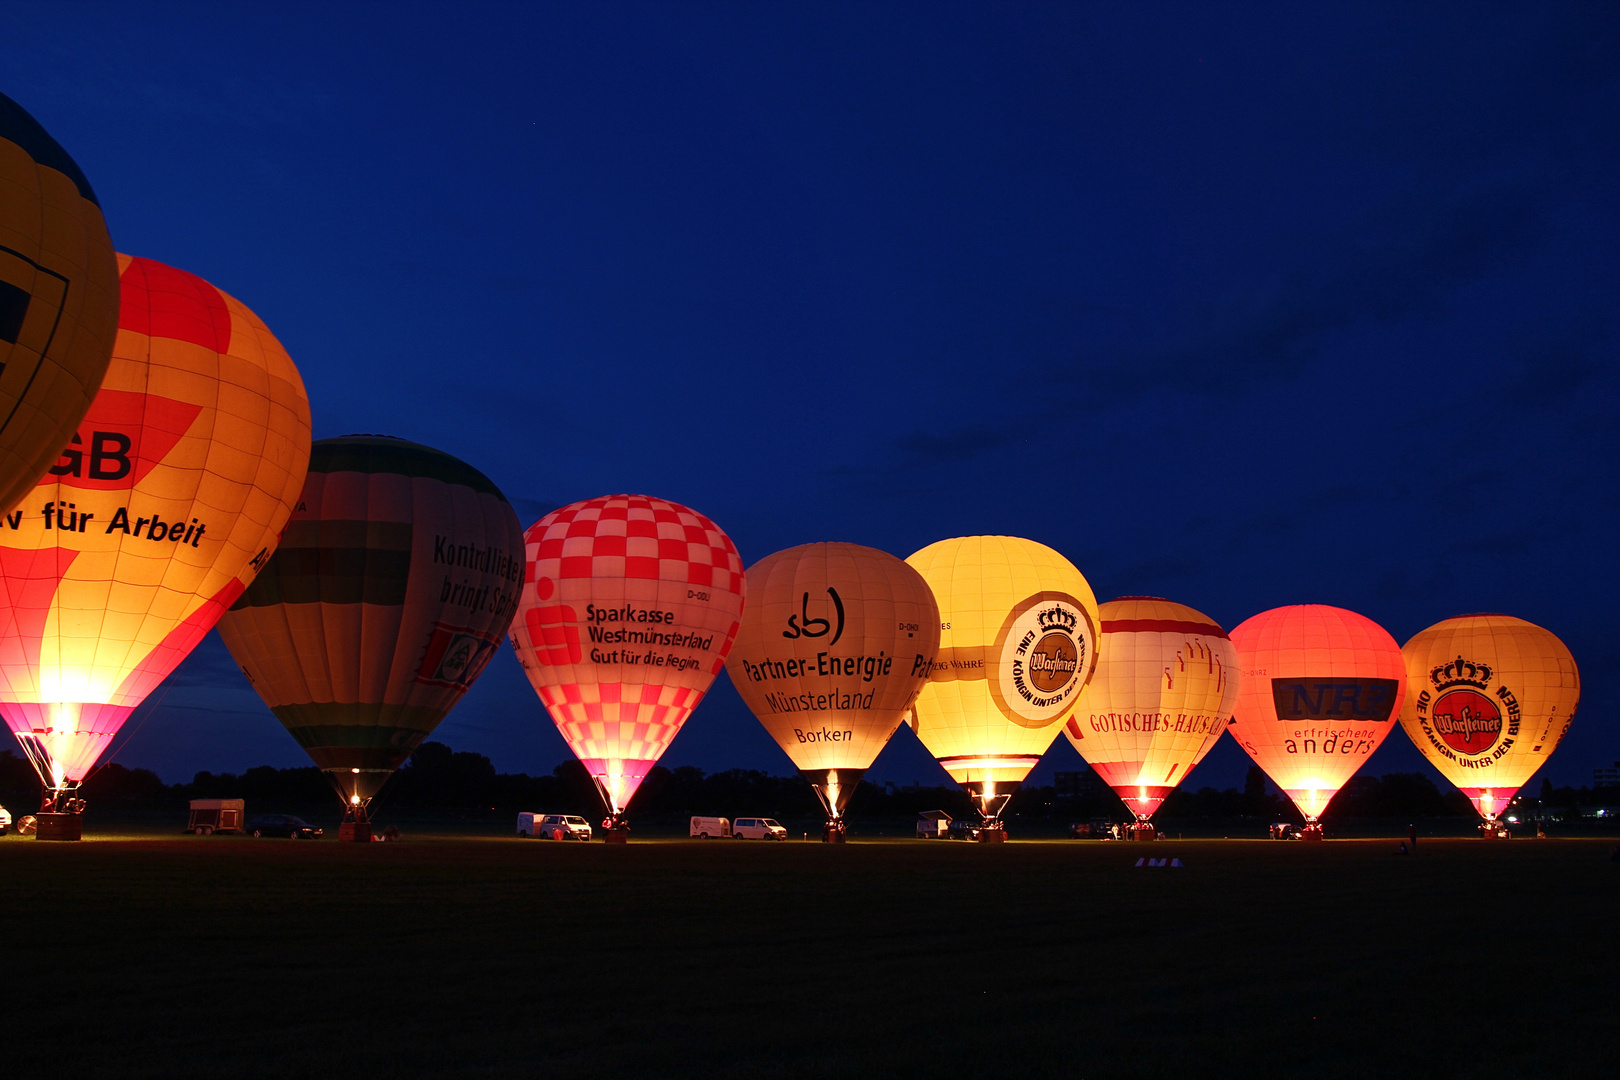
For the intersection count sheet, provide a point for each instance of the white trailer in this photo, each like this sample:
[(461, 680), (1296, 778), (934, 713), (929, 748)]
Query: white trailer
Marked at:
[(216, 815), (706, 828)]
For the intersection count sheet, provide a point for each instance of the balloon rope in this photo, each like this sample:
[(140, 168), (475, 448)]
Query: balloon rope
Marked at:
[(130, 737)]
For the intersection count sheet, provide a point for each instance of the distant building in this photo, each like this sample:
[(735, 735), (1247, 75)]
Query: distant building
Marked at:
[(1606, 777)]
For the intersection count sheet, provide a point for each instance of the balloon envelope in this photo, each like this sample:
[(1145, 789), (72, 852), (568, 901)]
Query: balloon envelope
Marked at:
[(629, 608), (1163, 692), (1320, 688), (835, 643), (58, 300), (165, 503), (1490, 699), (395, 582), (1017, 643)]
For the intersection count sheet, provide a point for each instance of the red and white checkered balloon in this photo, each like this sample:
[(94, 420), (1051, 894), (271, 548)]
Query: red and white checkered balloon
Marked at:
[(630, 605)]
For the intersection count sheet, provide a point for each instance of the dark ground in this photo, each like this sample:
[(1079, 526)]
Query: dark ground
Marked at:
[(148, 955)]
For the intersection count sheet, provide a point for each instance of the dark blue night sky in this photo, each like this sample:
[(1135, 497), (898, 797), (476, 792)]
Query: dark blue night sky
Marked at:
[(1241, 305)]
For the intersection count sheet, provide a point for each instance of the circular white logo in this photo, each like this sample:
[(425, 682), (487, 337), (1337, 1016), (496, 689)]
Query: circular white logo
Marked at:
[(1045, 652)]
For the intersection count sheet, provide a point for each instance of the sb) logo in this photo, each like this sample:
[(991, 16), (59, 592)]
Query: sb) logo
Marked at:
[(1045, 651), (1467, 721)]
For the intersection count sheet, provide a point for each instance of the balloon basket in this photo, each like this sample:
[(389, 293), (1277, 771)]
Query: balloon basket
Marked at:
[(355, 832), (59, 827), (992, 836), (1311, 831), (1142, 831), (617, 834)]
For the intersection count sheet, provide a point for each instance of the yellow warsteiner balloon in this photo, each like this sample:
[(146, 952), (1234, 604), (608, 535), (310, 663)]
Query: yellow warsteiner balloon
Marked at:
[(1166, 683), (1489, 698), (1017, 643), (58, 300), (835, 642), (164, 504)]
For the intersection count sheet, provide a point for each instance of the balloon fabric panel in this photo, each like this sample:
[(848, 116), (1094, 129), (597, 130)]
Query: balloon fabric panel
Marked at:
[(164, 503), (58, 300), (395, 583), (1490, 698), (1341, 679), (630, 606)]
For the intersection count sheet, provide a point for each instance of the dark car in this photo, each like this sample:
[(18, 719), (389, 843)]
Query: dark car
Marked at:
[(294, 828)]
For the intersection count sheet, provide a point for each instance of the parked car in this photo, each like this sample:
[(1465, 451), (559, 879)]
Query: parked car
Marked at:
[(5, 821), (757, 828), (293, 828), (963, 830), (1095, 829), (705, 828), (562, 827)]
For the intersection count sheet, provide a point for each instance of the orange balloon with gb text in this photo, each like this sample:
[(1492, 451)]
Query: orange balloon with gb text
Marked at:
[(167, 500)]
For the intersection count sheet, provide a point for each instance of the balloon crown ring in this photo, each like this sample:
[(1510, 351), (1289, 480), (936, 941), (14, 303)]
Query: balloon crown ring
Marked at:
[(1460, 672)]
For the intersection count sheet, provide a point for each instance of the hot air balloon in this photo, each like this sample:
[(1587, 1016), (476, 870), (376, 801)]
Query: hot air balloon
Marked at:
[(1017, 643), (630, 605), (1321, 687), (835, 643), (1162, 694), (58, 300), (395, 582), (1491, 697), (165, 503)]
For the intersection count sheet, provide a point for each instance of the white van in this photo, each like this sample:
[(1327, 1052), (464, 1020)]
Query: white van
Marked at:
[(706, 827), (554, 826), (757, 828)]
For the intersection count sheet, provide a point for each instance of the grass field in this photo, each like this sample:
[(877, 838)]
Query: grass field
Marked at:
[(144, 956)]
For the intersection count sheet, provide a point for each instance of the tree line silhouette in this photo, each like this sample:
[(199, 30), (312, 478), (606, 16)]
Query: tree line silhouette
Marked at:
[(439, 778)]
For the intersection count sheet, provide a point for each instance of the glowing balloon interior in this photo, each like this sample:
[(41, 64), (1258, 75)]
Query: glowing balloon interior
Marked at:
[(1321, 688), (58, 300), (397, 577), (1017, 643), (836, 641), (1163, 692), (1490, 699), (167, 500), (630, 605)]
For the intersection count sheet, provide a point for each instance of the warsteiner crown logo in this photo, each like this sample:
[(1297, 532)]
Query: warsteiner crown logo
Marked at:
[(1460, 672), (1045, 652), (1056, 618), (1463, 718)]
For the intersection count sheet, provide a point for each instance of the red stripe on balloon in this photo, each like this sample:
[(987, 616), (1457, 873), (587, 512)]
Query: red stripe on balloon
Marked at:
[(1161, 626)]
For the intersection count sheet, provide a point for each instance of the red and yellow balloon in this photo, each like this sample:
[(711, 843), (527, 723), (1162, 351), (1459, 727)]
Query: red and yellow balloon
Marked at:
[(58, 300), (1491, 697), (167, 500), (1321, 688), (1163, 692)]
